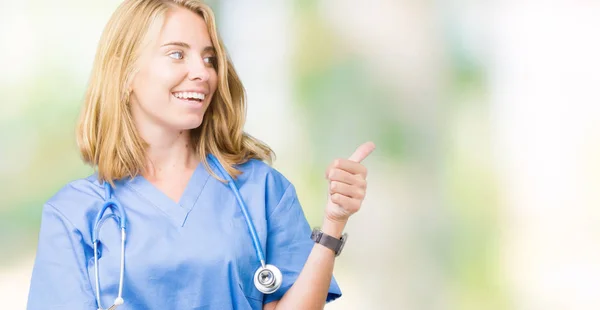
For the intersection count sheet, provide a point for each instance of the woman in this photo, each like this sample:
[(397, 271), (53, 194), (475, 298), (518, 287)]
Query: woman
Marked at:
[(162, 124)]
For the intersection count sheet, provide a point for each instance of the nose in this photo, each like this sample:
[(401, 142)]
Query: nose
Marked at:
[(198, 70)]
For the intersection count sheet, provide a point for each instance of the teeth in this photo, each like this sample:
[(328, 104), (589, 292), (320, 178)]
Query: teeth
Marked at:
[(189, 95)]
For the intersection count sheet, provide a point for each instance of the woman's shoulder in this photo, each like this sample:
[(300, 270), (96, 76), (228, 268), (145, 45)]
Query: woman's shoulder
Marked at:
[(257, 171), (76, 201), (260, 177), (88, 188)]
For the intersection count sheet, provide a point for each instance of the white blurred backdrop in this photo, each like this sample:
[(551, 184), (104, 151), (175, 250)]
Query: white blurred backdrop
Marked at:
[(483, 191)]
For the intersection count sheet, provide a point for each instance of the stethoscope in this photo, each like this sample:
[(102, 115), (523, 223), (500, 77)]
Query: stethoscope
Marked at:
[(267, 278)]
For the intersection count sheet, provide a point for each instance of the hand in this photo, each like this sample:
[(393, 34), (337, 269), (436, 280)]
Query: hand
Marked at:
[(347, 184)]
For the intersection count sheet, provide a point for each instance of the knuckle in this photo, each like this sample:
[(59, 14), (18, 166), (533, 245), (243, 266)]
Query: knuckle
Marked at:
[(334, 185), (363, 184), (361, 194)]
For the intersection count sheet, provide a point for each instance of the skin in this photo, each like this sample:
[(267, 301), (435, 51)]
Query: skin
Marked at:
[(181, 61), (347, 188)]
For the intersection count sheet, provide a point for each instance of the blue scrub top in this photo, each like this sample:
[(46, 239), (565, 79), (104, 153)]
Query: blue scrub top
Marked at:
[(195, 254)]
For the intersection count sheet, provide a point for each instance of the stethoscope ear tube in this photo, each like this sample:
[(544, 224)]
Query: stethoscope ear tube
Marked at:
[(115, 206)]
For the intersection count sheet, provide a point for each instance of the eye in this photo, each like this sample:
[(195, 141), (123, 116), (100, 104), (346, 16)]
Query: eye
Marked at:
[(176, 55), (211, 60)]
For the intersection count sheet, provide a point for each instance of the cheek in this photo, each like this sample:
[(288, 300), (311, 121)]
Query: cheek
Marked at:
[(153, 84), (161, 77), (214, 82)]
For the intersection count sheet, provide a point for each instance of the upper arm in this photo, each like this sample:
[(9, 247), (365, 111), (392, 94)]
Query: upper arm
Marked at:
[(60, 279)]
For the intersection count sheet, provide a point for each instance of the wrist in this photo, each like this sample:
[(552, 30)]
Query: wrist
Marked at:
[(333, 228)]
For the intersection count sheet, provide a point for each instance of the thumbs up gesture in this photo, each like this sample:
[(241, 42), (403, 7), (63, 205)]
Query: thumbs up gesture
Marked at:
[(347, 184)]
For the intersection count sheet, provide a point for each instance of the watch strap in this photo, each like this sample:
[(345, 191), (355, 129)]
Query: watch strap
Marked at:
[(333, 243)]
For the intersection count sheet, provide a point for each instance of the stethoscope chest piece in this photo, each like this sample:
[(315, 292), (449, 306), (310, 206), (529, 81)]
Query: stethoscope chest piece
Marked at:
[(267, 279)]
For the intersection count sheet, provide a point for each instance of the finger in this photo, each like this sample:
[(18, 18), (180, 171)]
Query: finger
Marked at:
[(350, 166), (349, 204), (328, 170), (356, 192), (346, 177), (362, 152)]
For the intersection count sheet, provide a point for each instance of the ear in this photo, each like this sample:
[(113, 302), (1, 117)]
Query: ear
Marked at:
[(127, 94)]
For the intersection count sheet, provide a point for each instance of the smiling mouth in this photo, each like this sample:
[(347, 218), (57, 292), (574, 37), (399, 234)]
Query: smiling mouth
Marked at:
[(189, 96)]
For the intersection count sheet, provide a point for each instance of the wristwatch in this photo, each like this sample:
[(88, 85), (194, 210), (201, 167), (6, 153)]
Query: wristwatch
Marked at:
[(335, 244)]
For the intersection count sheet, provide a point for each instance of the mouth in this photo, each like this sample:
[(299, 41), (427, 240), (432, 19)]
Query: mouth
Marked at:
[(194, 98)]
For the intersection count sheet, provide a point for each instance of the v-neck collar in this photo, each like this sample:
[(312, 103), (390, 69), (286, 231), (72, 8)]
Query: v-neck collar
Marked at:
[(177, 212)]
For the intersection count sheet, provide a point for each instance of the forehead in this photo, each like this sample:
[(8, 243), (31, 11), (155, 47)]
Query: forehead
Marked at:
[(183, 25)]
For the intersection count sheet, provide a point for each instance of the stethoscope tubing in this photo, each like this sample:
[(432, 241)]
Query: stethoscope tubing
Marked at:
[(113, 204), (250, 224)]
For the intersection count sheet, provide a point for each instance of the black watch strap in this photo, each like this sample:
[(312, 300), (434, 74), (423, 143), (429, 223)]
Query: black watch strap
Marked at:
[(335, 244)]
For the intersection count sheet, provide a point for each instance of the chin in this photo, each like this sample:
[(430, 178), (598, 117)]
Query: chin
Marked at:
[(190, 123)]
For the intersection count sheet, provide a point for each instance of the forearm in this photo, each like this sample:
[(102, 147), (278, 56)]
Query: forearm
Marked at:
[(311, 288)]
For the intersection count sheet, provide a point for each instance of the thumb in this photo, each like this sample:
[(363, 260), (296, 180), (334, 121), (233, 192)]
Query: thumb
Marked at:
[(362, 152)]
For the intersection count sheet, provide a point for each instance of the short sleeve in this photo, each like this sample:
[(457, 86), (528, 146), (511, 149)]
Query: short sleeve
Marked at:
[(289, 244), (60, 279)]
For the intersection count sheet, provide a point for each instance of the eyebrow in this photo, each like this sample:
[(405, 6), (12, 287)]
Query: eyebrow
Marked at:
[(185, 45)]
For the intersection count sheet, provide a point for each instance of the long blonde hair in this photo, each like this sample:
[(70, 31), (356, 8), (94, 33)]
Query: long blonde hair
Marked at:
[(106, 135)]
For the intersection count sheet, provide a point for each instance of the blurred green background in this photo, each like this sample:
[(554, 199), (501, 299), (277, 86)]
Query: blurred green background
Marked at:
[(483, 187)]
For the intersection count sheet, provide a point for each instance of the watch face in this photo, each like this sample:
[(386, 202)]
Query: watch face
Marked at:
[(314, 234)]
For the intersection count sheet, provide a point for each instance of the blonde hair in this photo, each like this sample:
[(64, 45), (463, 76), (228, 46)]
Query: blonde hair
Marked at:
[(106, 135)]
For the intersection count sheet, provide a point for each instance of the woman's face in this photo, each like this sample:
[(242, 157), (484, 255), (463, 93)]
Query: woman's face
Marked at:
[(177, 77)]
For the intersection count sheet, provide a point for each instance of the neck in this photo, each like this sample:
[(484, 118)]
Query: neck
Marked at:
[(168, 153)]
